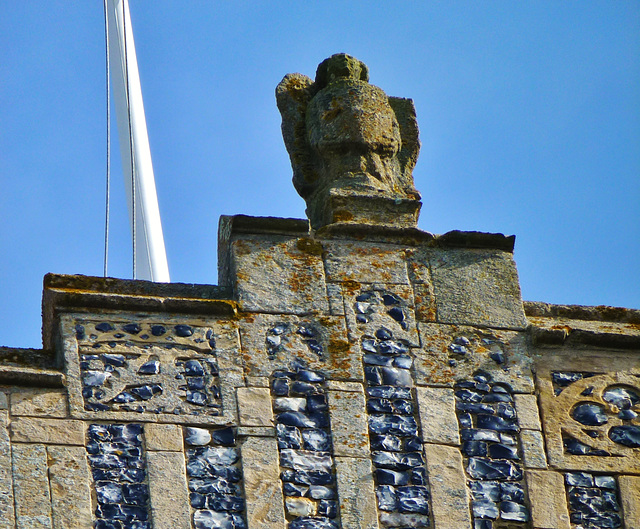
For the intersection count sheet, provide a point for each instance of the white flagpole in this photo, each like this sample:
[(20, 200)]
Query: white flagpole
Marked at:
[(150, 256)]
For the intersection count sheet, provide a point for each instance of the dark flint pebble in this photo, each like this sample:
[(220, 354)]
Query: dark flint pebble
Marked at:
[(158, 330), (413, 444), (312, 477), (387, 500), (413, 498), (465, 420), (485, 490), (468, 395), (474, 434), (474, 448), (491, 422), (304, 522), (389, 392), (152, 367), (390, 299), (316, 403), (475, 408), (497, 357), (391, 477), (328, 508), (564, 379), (280, 387), (104, 327), (384, 334), (193, 368), (516, 512), (484, 509), (396, 313), (578, 479), (146, 392), (304, 388), (626, 435), (306, 375), (183, 331), (512, 492), (391, 443), (497, 397), (418, 476), (500, 451), (589, 414), (131, 328), (377, 359), (487, 469)]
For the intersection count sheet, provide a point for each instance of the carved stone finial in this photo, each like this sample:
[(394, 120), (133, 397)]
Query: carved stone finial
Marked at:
[(352, 147)]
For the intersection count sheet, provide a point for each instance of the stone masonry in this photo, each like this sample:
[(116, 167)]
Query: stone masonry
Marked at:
[(349, 372)]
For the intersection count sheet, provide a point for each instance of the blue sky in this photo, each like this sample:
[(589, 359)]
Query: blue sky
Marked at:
[(529, 117)]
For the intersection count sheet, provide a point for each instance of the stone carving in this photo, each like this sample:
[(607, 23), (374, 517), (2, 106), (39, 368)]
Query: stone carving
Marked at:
[(592, 419), (352, 147)]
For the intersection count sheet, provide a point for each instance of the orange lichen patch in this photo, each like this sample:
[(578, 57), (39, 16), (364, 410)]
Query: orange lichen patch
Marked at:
[(351, 286), (309, 246)]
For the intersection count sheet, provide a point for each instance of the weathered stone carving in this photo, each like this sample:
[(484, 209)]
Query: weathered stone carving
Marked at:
[(352, 147)]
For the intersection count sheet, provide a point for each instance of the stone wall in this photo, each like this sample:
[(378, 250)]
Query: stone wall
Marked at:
[(352, 377)]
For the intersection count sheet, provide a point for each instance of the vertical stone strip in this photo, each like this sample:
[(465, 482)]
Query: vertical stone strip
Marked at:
[(593, 500), (215, 478), (548, 500), (7, 512), (356, 491), (630, 500), (305, 447), (168, 493), (437, 411), (70, 485), (347, 411), (119, 476), (354, 476), (31, 487), (490, 438), (262, 486), (400, 474), (449, 496)]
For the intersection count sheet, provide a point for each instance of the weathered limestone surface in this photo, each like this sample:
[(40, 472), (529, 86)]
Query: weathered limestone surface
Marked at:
[(7, 511), (533, 449), (254, 406), (48, 431), (38, 403), (167, 437), (630, 500), (349, 429), (438, 418), (168, 492), (70, 483), (263, 491), (449, 496), (31, 487), (547, 496), (477, 287), (528, 414), (356, 492)]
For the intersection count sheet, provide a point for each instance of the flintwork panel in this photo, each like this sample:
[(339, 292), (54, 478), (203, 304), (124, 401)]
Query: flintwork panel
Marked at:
[(148, 369), (592, 420)]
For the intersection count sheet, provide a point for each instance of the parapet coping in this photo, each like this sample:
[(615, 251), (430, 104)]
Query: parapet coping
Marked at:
[(602, 313), (63, 293), (245, 224)]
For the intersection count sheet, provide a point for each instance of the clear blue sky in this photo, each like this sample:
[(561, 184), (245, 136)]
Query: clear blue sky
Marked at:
[(529, 117)]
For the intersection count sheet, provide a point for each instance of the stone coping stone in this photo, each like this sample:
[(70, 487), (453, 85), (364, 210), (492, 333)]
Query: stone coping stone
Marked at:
[(64, 293), (28, 376), (21, 357), (602, 313)]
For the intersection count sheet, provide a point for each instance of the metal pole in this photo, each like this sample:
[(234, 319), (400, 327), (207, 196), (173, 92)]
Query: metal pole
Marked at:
[(150, 259)]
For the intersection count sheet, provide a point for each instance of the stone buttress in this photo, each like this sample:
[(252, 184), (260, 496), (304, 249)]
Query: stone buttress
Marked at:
[(349, 372)]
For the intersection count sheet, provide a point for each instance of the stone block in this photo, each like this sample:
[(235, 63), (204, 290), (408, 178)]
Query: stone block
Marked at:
[(442, 360), (630, 500), (4, 402), (262, 486), (70, 483), (533, 449), (365, 262), (477, 287), (338, 385), (39, 403), (163, 437), (254, 407), (438, 420), (336, 301), (168, 491), (47, 431), (279, 275), (349, 428), (447, 483), (257, 431), (271, 342), (258, 382), (31, 487), (356, 492), (548, 499), (528, 413), (7, 511)]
